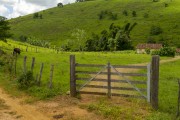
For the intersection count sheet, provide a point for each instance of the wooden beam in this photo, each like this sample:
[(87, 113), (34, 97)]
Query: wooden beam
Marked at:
[(130, 66), (88, 65), (112, 73)]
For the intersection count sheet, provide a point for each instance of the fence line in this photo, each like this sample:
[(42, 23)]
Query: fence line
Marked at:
[(37, 76)]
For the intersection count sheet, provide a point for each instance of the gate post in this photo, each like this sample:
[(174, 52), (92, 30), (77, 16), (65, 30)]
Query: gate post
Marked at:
[(109, 80), (73, 92), (149, 82), (154, 81)]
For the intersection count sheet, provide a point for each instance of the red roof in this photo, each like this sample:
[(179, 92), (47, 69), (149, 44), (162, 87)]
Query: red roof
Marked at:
[(149, 46)]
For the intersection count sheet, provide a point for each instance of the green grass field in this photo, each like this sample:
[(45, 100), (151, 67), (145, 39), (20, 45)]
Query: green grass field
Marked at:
[(168, 86), (61, 60), (58, 24)]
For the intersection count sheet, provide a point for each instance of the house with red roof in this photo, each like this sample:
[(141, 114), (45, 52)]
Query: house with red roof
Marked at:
[(141, 48)]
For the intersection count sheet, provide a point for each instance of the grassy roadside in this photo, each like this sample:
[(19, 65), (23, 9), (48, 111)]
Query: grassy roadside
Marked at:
[(108, 109)]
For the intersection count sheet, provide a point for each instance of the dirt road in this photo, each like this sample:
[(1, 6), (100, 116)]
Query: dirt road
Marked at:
[(17, 110), (62, 107)]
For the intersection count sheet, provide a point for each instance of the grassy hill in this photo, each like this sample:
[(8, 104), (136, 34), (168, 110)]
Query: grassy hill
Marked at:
[(57, 24)]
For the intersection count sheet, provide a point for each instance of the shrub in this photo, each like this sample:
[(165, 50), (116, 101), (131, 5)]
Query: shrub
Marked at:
[(125, 13), (166, 5), (7, 61), (134, 13), (155, 52), (23, 38), (148, 51), (36, 42), (106, 13), (1, 63), (165, 51), (146, 15), (150, 40), (113, 16), (155, 0), (26, 80), (35, 15), (1, 52), (155, 30), (102, 14)]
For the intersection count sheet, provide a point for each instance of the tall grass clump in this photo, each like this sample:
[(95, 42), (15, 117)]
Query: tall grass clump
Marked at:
[(26, 80)]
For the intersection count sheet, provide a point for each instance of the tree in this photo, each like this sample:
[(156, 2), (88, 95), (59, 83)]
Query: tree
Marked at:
[(40, 16), (60, 5), (80, 38), (150, 39), (155, 30), (2, 18), (4, 30), (91, 44), (80, 0), (103, 41), (36, 15), (125, 13), (116, 38), (122, 37), (134, 13)]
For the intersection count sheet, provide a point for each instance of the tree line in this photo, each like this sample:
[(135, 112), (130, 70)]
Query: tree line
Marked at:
[(4, 29), (114, 39)]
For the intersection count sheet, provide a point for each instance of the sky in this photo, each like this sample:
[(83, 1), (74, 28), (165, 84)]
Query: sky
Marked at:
[(16, 8)]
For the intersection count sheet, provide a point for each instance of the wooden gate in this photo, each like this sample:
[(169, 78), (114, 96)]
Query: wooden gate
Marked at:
[(116, 80)]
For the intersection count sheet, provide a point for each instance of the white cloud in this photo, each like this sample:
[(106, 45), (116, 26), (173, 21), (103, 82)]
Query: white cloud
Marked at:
[(15, 8), (9, 2), (23, 8), (3, 10), (44, 3)]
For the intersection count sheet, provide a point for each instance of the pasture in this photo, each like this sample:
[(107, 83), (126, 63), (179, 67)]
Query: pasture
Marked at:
[(168, 86)]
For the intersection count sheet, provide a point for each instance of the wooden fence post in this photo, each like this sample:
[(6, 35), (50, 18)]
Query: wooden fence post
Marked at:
[(154, 81), (25, 59), (26, 48), (177, 115), (40, 74), (149, 83), (73, 92), (109, 80), (37, 79), (15, 64), (51, 76), (11, 67), (32, 65)]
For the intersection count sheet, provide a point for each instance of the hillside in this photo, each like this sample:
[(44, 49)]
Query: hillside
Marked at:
[(57, 24)]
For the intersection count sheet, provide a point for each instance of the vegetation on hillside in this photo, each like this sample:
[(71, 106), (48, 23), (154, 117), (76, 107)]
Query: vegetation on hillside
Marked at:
[(158, 21), (4, 29)]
